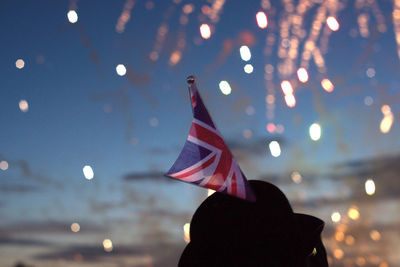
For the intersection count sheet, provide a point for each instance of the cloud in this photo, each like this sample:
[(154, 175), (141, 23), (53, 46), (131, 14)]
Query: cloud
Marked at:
[(18, 188), (146, 176), (8, 241)]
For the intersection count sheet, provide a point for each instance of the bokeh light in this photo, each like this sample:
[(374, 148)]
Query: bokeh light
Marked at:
[(315, 131), (245, 53), (327, 85), (332, 23), (370, 187), (353, 213), (186, 232), (262, 20), (72, 16), (3, 165), (20, 63), (375, 235), (302, 75), (205, 31), (336, 217), (88, 172), (248, 68), (107, 245), (275, 149), (75, 227), (296, 177), (225, 88), (120, 69), (23, 105)]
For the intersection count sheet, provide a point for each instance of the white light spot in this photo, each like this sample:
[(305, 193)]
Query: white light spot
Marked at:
[(75, 227), (296, 177), (370, 187), (121, 69), (205, 31), (225, 87), (332, 23), (248, 68), (275, 149), (20, 63), (262, 20), (23, 105), (88, 172), (336, 217), (107, 244), (72, 16), (3, 165), (370, 72), (315, 131), (245, 53)]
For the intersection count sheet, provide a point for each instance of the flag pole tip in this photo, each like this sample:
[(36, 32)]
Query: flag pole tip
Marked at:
[(190, 79)]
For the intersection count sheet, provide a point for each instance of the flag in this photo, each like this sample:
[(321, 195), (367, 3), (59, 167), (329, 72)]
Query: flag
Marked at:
[(205, 159)]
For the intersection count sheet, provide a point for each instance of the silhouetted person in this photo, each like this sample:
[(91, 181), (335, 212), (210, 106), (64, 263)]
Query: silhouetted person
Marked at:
[(228, 231)]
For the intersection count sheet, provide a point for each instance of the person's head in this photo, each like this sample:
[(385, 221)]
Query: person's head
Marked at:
[(228, 231)]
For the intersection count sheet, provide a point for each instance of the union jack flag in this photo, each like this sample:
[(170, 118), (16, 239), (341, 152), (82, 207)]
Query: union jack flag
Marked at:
[(205, 159)]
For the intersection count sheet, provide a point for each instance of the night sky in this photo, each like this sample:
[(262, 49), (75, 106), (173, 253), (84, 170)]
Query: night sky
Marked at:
[(130, 129)]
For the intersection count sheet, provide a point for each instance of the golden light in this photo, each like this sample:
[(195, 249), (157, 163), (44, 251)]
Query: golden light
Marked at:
[(225, 87), (375, 235), (338, 253), (262, 20), (248, 68), (75, 227), (3, 165), (302, 75), (386, 110), (205, 31), (370, 187), (23, 105), (387, 121), (121, 69), (327, 85), (336, 217), (384, 264), (315, 131), (339, 236), (88, 172), (349, 240), (360, 261), (353, 213), (186, 232), (332, 23), (296, 177), (245, 53), (20, 63), (175, 57), (275, 149), (287, 87), (72, 16), (290, 101), (107, 244)]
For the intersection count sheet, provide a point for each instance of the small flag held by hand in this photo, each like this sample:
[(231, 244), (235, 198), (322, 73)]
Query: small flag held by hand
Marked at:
[(205, 159)]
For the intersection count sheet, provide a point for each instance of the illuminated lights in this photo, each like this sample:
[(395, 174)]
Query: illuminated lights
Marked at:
[(248, 68), (353, 213), (125, 16), (225, 87), (383, 264), (247, 133), (75, 227), (245, 53), (275, 149), (205, 31), (290, 101), (370, 72), (315, 131), (107, 244), (336, 217), (302, 75), (186, 232), (349, 240), (332, 23), (370, 187), (387, 121), (175, 57), (72, 16), (188, 8), (262, 20), (360, 261), (88, 172), (288, 92), (339, 236), (23, 105), (120, 69), (287, 87), (296, 177), (271, 127), (375, 235), (338, 253), (327, 85), (19, 63), (3, 165)]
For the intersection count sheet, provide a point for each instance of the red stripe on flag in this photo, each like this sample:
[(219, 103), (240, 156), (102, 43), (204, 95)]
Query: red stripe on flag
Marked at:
[(201, 167)]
